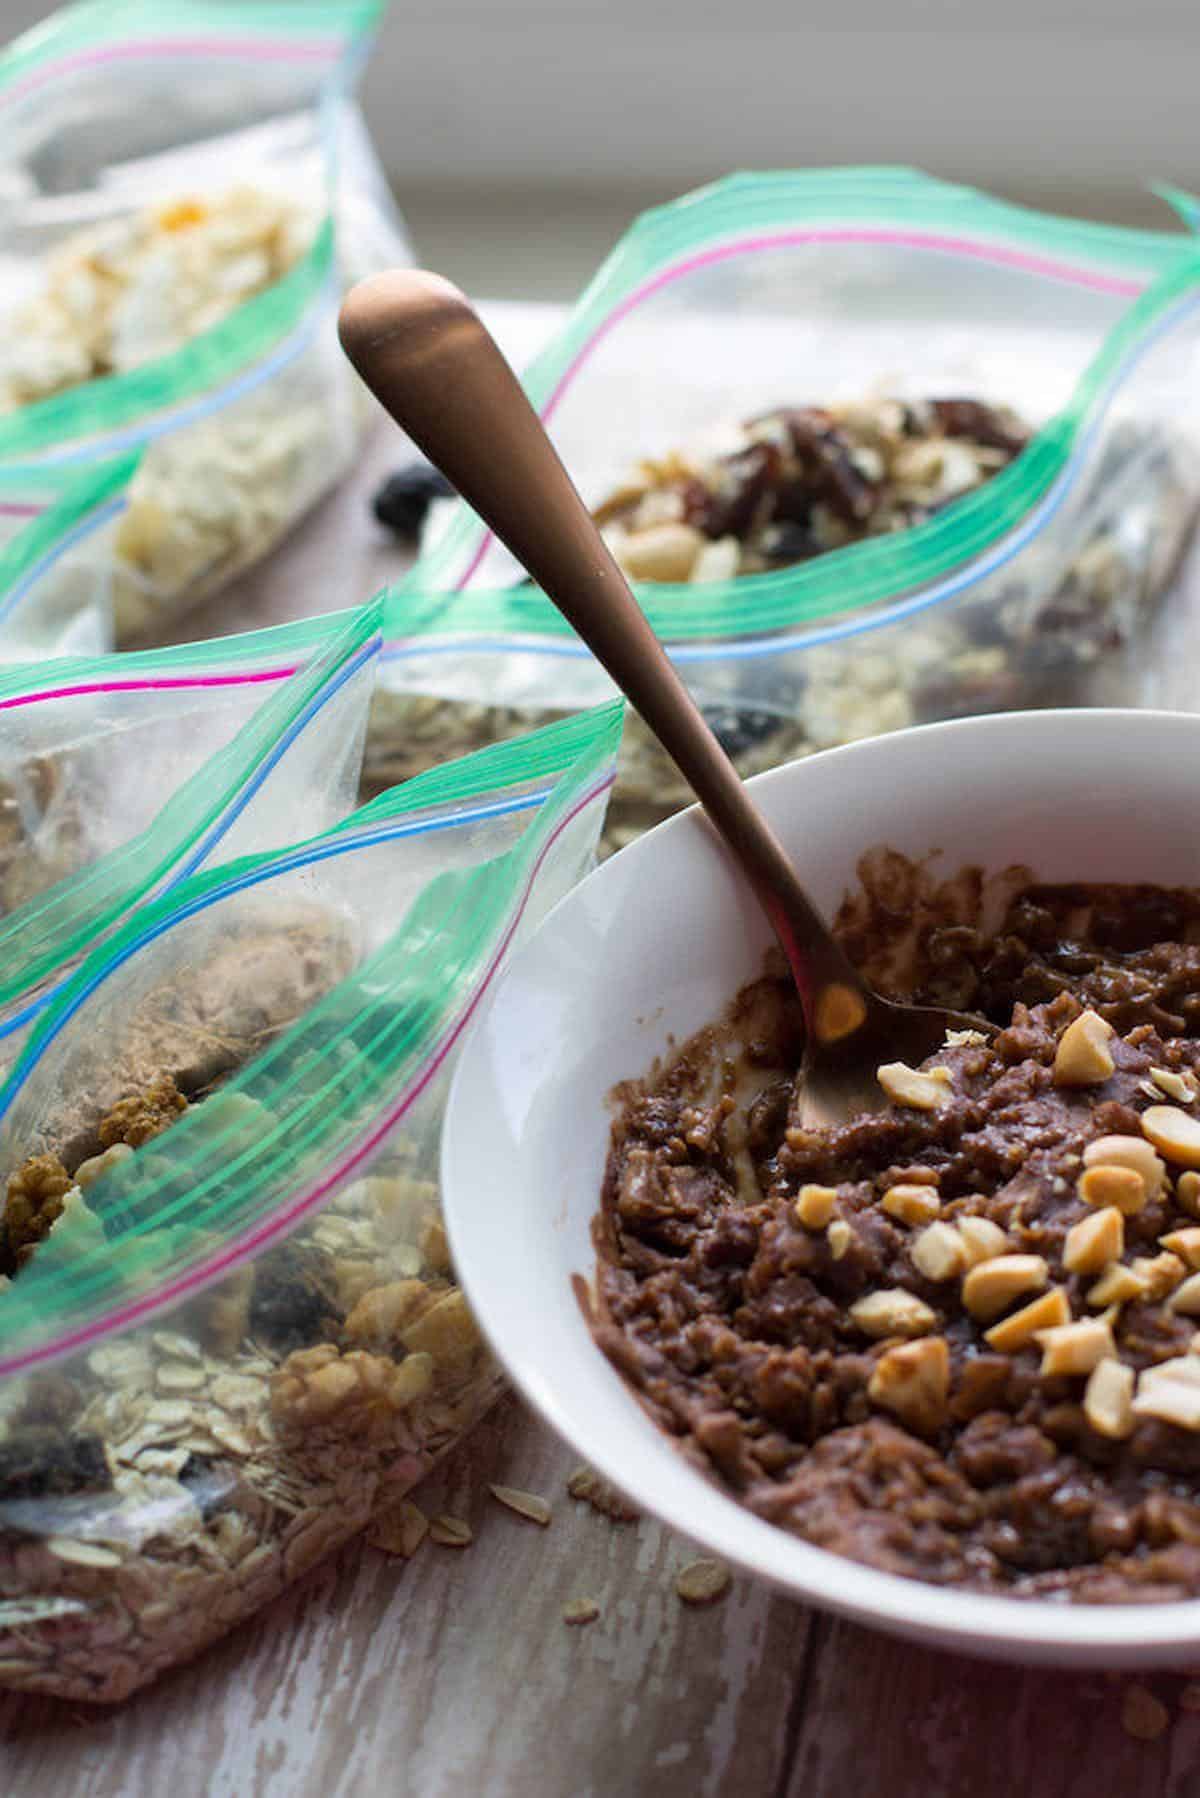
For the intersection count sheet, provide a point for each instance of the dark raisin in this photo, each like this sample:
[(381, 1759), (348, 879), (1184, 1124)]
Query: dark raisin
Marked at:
[(39, 1461), (981, 423), (737, 729), (743, 490), (209, 1482), (294, 1302), (403, 501), (787, 543)]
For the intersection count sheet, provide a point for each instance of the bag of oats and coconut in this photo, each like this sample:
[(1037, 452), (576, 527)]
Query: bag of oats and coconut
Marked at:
[(185, 189), (57, 527), (121, 776), (874, 450), (230, 1331)]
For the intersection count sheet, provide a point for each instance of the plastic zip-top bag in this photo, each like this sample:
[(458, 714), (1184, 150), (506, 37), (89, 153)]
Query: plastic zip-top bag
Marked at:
[(184, 191), (57, 529), (232, 1334), (117, 788), (891, 449)]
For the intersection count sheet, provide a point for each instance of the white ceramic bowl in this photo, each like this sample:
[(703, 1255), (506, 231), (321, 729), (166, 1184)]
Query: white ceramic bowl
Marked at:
[(652, 946)]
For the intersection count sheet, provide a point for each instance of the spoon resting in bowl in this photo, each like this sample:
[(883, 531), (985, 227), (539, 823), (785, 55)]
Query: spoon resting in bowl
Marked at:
[(430, 361)]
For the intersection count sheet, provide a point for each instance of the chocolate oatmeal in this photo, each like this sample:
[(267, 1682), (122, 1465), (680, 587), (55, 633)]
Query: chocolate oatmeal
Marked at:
[(957, 1338)]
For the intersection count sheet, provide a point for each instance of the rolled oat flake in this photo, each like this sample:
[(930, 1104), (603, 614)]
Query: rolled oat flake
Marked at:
[(702, 1582)]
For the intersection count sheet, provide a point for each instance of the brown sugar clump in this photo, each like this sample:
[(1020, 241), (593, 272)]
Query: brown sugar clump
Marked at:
[(141, 1116), (34, 1204)]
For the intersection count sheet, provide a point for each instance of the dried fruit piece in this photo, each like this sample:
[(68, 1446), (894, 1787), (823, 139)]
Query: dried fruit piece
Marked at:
[(702, 1581), (525, 1504), (295, 1301)]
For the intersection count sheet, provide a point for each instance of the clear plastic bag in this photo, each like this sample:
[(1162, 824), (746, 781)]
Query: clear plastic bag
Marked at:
[(241, 1336), (56, 554), (117, 782), (838, 288), (184, 191)]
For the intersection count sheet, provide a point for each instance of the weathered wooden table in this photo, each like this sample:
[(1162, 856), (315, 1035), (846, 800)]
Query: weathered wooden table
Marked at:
[(454, 1673)]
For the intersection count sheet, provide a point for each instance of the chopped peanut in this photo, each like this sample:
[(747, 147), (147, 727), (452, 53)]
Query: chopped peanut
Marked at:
[(1108, 1400), (1083, 1057), (1180, 1087), (892, 1312), (1114, 1286), (923, 1090), (938, 1252), (1174, 1133), (912, 1381), (1119, 1186), (982, 1240), (994, 1284), (1017, 1331), (1184, 1243), (1076, 1347), (1159, 1274), (814, 1206), (1095, 1241), (912, 1204), (1186, 1298), (1128, 1151), (1171, 1391), (1187, 1194)]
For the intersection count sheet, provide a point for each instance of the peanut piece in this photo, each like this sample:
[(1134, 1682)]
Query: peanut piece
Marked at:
[(1174, 1133), (1082, 1057), (839, 1236), (1119, 1186), (814, 1206), (994, 1284), (1108, 1400), (1184, 1243), (1017, 1331), (1171, 1391), (938, 1252), (1187, 1194), (1159, 1274), (662, 552), (1180, 1087), (1077, 1347), (1117, 1284), (1128, 1151), (922, 1090), (982, 1240), (911, 1204), (1095, 1241), (892, 1312), (1186, 1298), (913, 1381)]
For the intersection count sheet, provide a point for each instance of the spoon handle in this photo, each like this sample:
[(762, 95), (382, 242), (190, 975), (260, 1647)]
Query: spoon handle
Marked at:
[(432, 364)]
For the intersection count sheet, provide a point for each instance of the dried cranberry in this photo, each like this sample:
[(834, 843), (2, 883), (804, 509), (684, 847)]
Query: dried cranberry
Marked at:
[(785, 543)]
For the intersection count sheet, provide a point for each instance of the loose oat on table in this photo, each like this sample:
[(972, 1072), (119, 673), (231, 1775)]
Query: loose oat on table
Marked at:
[(451, 1532), (580, 1610), (1143, 1716), (525, 1504), (702, 1582)]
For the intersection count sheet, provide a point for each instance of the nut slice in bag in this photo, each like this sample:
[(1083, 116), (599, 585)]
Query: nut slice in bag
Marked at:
[(710, 324), (232, 1330), (121, 781)]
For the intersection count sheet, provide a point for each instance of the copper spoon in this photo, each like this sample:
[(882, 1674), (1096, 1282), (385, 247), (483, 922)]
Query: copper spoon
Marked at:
[(432, 364)]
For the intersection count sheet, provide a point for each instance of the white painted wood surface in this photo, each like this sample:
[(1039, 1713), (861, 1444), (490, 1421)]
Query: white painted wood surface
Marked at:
[(455, 1673)]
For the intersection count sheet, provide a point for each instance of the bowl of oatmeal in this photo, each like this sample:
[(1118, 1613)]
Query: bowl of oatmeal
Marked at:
[(937, 1370)]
